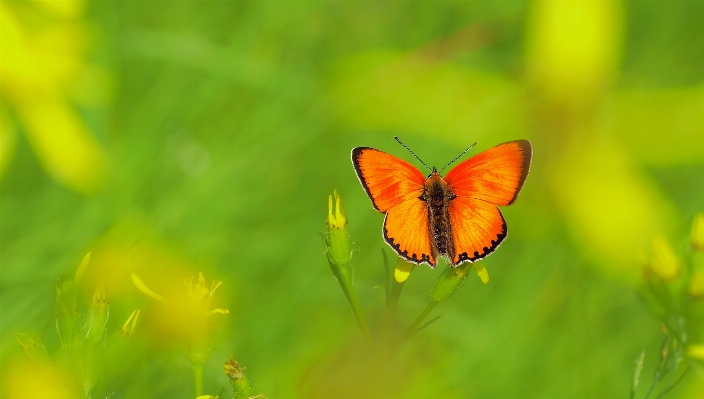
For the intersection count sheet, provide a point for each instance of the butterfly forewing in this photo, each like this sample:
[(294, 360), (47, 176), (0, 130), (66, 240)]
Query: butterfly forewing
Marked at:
[(387, 180), (495, 175)]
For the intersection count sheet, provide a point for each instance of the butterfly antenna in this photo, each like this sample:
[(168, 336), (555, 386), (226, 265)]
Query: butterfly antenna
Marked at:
[(458, 157), (414, 154)]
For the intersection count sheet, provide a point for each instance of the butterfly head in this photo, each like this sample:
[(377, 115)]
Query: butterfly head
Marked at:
[(433, 172)]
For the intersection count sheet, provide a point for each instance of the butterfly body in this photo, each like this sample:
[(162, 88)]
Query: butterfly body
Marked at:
[(454, 217), (437, 196)]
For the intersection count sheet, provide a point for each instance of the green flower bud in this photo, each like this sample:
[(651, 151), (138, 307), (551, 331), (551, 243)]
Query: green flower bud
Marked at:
[(67, 315), (32, 346), (339, 252), (97, 317), (239, 381), (338, 241), (450, 281)]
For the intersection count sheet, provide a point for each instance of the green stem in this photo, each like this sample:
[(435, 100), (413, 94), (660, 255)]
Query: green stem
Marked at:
[(668, 389), (344, 277), (198, 377), (393, 294), (392, 299), (421, 317), (351, 295)]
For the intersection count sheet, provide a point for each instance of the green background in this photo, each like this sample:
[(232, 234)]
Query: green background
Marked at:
[(230, 123)]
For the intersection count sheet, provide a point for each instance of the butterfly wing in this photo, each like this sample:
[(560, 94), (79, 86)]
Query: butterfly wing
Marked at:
[(478, 228), (394, 186), (387, 180), (493, 177), (406, 231)]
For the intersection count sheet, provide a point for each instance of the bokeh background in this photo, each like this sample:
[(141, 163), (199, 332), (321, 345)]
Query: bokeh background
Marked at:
[(176, 137)]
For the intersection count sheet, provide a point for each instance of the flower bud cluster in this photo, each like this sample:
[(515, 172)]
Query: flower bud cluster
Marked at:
[(673, 288)]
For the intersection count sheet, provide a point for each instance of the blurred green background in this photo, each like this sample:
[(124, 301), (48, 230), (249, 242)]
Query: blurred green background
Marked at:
[(177, 137)]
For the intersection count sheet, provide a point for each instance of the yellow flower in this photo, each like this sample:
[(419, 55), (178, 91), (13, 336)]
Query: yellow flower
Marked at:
[(42, 73), (403, 270), (127, 329), (200, 294), (696, 284), (481, 272), (337, 218), (185, 317), (698, 232), (665, 263)]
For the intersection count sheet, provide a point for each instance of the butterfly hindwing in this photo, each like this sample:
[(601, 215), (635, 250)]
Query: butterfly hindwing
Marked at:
[(387, 180), (478, 228), (495, 175), (406, 231)]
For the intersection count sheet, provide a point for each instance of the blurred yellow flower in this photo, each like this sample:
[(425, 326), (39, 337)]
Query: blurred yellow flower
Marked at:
[(185, 316), (200, 295), (42, 72), (697, 236), (37, 379), (696, 351), (574, 46), (696, 284), (665, 263), (127, 329)]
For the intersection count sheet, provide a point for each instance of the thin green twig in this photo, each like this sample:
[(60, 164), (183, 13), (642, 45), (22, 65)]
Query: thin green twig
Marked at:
[(344, 277), (429, 308), (426, 324), (668, 389)]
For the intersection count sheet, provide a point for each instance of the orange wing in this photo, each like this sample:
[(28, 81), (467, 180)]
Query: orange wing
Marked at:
[(406, 231), (387, 180), (495, 175), (478, 228), (394, 186)]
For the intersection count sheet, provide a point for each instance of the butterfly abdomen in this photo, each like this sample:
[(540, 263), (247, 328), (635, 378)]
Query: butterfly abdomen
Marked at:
[(437, 196)]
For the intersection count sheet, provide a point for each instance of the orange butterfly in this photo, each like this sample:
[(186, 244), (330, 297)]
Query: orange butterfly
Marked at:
[(457, 216)]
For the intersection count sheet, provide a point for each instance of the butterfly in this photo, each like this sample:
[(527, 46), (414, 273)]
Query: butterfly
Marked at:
[(457, 216)]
